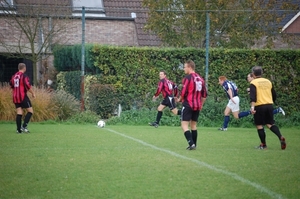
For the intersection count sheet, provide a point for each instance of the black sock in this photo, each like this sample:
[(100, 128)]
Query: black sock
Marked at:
[(262, 136), (18, 122), (188, 137), (194, 136), (27, 118), (276, 130), (179, 112), (158, 116)]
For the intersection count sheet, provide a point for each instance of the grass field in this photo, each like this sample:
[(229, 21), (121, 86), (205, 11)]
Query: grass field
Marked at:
[(83, 161)]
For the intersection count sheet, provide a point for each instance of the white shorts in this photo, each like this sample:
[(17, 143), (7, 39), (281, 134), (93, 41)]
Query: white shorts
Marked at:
[(234, 107)]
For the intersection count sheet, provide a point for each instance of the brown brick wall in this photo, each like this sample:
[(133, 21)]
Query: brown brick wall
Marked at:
[(112, 32)]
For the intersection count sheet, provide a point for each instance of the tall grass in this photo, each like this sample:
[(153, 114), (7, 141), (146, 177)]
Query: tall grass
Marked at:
[(57, 105), (7, 107)]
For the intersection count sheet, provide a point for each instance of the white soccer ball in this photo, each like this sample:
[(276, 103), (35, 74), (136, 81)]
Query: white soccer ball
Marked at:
[(101, 124)]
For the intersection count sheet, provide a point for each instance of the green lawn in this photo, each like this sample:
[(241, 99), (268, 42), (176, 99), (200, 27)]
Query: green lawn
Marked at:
[(83, 161)]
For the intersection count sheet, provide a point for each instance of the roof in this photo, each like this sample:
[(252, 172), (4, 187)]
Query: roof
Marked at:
[(125, 8), (290, 17)]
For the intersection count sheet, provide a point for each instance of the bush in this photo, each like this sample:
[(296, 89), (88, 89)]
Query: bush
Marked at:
[(103, 99), (66, 104), (84, 117)]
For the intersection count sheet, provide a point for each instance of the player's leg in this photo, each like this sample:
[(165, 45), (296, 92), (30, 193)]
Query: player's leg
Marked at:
[(185, 121), (274, 128), (278, 110), (27, 104), (193, 123), (259, 122), (227, 112), (19, 111), (159, 114), (172, 106)]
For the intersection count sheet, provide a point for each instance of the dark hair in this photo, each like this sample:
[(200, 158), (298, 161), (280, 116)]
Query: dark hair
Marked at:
[(162, 71), (191, 64), (257, 71)]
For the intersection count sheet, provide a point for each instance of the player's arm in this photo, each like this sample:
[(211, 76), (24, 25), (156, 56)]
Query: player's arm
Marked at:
[(28, 86), (158, 90), (203, 94), (230, 95), (184, 89), (274, 96), (252, 97)]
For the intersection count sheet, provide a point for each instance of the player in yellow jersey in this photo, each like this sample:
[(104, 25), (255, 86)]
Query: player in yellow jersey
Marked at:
[(262, 97)]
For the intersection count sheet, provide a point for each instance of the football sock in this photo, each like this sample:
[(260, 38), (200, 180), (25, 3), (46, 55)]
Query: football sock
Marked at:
[(226, 121), (244, 114), (18, 122), (188, 137), (275, 111), (158, 116), (262, 136), (276, 131), (194, 136), (179, 112), (27, 118)]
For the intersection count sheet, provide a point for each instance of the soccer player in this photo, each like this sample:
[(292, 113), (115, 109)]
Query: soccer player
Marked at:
[(169, 90), (262, 97), (20, 85), (276, 110), (193, 96), (233, 104)]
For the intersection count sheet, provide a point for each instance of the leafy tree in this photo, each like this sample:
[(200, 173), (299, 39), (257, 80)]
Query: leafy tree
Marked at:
[(32, 28), (233, 23)]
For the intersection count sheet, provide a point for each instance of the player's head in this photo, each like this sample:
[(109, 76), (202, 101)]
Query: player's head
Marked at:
[(189, 67), (22, 67), (257, 71), (222, 79), (162, 74), (250, 77)]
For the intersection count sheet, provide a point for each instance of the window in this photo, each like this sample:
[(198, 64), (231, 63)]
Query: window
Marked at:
[(7, 6), (93, 8)]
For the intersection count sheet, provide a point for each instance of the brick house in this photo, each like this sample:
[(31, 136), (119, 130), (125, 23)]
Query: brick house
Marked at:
[(106, 22), (113, 22)]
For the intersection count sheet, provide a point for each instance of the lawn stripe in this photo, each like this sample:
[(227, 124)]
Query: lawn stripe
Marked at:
[(204, 164)]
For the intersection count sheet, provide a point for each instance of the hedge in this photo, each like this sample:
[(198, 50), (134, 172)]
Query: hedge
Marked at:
[(134, 71)]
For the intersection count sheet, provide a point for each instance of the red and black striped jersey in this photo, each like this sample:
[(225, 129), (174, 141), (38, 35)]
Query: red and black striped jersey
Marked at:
[(20, 85), (193, 90), (167, 88)]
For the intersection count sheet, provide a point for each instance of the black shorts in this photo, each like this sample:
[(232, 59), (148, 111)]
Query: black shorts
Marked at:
[(169, 102), (264, 115), (24, 104), (188, 114)]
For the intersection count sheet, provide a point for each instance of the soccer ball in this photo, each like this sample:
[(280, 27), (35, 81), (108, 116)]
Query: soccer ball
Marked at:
[(101, 124)]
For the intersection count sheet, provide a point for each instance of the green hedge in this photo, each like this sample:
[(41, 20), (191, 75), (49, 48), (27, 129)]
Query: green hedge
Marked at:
[(134, 71)]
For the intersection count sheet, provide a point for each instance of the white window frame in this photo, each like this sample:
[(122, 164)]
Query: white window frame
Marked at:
[(93, 8)]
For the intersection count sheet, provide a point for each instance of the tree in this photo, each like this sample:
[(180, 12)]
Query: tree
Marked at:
[(233, 23), (32, 28)]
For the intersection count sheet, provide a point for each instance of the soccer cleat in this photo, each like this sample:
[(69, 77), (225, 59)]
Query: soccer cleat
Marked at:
[(222, 129), (262, 147), (283, 143), (192, 147), (280, 110), (24, 129), (19, 132), (153, 124)]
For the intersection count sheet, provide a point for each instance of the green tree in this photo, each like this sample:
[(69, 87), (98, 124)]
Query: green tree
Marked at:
[(233, 23)]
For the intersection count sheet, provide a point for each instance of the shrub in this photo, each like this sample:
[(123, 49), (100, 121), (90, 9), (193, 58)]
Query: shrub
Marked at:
[(43, 106), (103, 99), (84, 117), (66, 104)]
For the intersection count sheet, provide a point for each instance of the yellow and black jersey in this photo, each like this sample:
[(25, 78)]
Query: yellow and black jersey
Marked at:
[(262, 91)]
